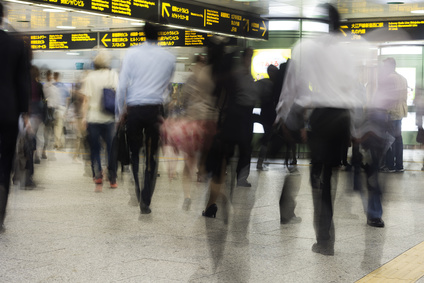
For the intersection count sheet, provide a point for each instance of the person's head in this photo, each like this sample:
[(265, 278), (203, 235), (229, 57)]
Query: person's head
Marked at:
[(49, 75), (272, 71), (389, 64), (56, 76), (102, 60), (330, 12), (151, 31), (35, 73), (247, 57)]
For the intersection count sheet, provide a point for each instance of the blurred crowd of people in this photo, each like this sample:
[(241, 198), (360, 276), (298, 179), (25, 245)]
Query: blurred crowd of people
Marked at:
[(329, 96)]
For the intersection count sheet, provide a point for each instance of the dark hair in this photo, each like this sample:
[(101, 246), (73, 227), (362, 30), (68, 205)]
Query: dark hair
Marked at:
[(390, 62), (333, 16), (1, 13), (151, 31)]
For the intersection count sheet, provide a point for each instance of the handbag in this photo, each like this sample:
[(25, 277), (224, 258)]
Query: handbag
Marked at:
[(108, 100), (420, 135)]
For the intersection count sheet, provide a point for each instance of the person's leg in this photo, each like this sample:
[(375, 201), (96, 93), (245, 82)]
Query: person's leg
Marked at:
[(375, 209), (390, 154), (135, 141), (107, 135), (58, 128), (94, 141), (398, 145), (8, 136), (150, 173)]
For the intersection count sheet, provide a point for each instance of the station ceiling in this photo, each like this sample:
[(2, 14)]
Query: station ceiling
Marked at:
[(27, 17)]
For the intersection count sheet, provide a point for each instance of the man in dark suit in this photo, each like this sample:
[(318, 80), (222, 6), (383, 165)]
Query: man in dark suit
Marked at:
[(14, 97)]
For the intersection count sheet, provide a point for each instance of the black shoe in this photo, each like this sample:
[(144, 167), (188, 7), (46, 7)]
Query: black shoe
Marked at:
[(37, 160), (244, 183), (29, 184), (210, 211), (262, 167), (375, 222), (324, 249), (293, 220), (144, 209)]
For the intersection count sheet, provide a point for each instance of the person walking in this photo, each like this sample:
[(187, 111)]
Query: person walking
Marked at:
[(145, 77), (15, 88)]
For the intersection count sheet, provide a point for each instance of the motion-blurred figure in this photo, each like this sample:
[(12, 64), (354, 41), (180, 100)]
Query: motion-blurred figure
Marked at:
[(320, 80), (14, 95), (240, 116), (267, 96), (100, 124), (395, 87), (52, 95), (60, 111), (419, 109), (144, 80)]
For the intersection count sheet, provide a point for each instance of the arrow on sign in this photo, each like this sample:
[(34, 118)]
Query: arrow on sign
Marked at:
[(164, 9), (247, 24), (104, 40), (263, 28)]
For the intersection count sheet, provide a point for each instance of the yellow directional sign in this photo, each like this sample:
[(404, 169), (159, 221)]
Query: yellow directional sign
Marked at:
[(247, 24), (263, 28), (165, 9), (104, 39)]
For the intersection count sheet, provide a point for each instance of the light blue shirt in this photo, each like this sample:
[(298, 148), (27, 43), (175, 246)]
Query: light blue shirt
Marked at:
[(145, 76)]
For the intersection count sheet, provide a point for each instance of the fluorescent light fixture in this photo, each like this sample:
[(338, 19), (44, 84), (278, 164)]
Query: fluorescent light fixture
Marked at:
[(90, 13), (66, 27), (138, 24), (50, 10), (315, 26), (20, 2), (403, 50), (245, 0), (417, 12), (73, 53), (127, 19), (284, 25), (182, 58)]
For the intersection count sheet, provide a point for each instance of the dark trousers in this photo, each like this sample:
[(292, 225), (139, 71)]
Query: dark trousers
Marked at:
[(8, 136), (143, 125), (330, 128), (105, 132), (394, 156)]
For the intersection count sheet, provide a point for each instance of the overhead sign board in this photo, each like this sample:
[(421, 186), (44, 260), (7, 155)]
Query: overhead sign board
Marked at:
[(62, 41), (214, 20), (168, 38), (385, 30), (185, 15), (141, 9), (118, 39)]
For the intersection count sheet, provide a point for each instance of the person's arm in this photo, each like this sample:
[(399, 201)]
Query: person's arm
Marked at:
[(23, 82), (121, 92)]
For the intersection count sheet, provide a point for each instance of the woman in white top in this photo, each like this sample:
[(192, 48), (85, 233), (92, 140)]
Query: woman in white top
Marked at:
[(100, 123)]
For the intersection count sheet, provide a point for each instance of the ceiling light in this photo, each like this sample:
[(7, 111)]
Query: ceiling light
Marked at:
[(50, 10), (138, 24), (245, 0), (66, 27), (182, 58), (417, 12), (21, 2), (73, 53)]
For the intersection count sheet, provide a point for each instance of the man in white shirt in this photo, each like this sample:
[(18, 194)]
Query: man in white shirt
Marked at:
[(145, 78), (321, 81)]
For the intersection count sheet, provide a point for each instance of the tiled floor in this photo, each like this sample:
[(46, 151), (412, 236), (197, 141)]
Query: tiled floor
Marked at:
[(64, 232)]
